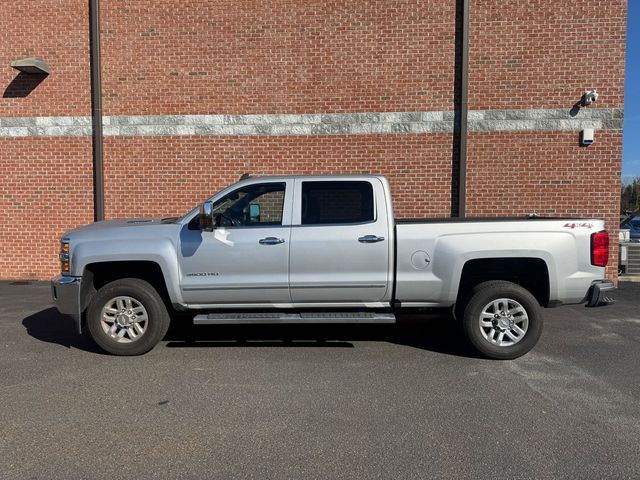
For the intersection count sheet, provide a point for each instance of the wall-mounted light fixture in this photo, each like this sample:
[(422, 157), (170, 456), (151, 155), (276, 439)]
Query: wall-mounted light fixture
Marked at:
[(33, 65)]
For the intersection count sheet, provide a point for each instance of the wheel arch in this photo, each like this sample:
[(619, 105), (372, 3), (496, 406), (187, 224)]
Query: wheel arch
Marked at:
[(531, 273), (98, 274)]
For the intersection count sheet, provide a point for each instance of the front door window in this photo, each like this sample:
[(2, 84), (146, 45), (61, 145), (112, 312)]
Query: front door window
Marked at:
[(252, 205)]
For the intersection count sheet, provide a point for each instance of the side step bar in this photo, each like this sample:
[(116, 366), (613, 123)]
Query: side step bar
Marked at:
[(304, 317)]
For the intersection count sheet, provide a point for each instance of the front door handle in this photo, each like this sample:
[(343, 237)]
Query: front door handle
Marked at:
[(271, 241), (371, 239)]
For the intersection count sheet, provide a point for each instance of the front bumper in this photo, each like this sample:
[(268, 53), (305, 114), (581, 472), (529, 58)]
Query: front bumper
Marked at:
[(600, 293), (66, 296)]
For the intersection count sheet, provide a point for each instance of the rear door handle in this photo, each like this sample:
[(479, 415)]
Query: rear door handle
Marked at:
[(271, 241), (371, 239)]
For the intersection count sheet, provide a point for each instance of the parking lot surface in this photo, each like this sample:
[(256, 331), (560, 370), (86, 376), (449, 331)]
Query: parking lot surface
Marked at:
[(341, 402)]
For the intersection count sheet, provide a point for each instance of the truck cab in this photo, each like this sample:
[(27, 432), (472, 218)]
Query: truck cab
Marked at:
[(290, 242)]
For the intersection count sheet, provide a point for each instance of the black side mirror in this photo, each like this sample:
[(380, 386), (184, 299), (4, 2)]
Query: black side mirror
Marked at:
[(206, 217)]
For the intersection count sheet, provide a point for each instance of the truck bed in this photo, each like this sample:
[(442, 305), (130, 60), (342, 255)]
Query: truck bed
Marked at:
[(431, 254), (401, 221)]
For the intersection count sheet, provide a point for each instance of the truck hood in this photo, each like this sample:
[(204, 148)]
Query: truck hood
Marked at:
[(101, 227)]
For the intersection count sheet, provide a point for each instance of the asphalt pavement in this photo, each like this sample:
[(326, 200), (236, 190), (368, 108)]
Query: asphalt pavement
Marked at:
[(338, 402)]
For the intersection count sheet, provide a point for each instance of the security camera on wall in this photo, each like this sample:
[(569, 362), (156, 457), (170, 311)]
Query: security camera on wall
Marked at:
[(589, 97)]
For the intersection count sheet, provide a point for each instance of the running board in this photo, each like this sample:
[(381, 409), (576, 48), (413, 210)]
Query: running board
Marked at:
[(304, 317)]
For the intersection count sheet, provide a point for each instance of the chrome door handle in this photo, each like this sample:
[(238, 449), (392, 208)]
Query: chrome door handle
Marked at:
[(271, 241), (370, 239)]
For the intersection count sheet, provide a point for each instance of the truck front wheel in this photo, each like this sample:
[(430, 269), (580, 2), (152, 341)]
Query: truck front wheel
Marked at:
[(502, 320), (127, 317)]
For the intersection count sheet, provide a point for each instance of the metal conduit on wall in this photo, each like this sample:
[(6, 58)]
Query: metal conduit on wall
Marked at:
[(96, 110)]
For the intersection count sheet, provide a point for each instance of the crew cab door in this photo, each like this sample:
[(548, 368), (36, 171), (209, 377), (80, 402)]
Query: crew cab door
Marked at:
[(245, 260), (340, 242)]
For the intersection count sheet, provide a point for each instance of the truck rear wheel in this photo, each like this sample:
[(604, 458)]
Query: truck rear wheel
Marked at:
[(127, 317), (502, 320)]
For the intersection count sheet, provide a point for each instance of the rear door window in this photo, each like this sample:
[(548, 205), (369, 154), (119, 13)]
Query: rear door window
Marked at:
[(341, 202)]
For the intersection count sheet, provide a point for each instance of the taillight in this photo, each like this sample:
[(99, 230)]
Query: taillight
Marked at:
[(600, 248)]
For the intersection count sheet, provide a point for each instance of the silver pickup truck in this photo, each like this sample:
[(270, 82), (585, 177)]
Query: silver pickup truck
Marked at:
[(325, 249)]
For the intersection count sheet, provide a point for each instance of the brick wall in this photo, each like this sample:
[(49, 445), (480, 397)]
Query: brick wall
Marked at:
[(46, 189), (164, 57), (545, 53), (285, 56), (45, 182), (59, 33), (169, 175)]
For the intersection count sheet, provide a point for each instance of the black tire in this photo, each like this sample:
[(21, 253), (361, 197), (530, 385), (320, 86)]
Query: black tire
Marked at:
[(156, 325), (479, 298)]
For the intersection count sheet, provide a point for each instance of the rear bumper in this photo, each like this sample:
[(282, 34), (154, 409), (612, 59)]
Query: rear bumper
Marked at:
[(600, 293), (66, 296)]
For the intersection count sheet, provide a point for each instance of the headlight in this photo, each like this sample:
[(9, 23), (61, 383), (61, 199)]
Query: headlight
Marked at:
[(64, 256)]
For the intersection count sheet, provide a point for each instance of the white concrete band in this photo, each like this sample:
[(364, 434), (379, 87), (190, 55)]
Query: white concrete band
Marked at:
[(317, 123)]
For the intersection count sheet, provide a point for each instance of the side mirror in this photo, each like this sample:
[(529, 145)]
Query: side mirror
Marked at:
[(254, 213), (206, 216)]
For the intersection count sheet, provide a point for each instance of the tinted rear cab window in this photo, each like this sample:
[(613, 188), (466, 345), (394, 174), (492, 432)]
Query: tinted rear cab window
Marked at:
[(336, 202)]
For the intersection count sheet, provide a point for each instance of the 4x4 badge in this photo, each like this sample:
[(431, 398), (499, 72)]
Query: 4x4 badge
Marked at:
[(574, 225)]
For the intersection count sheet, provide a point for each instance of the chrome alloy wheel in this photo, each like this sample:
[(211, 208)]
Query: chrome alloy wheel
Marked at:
[(124, 319), (503, 322)]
